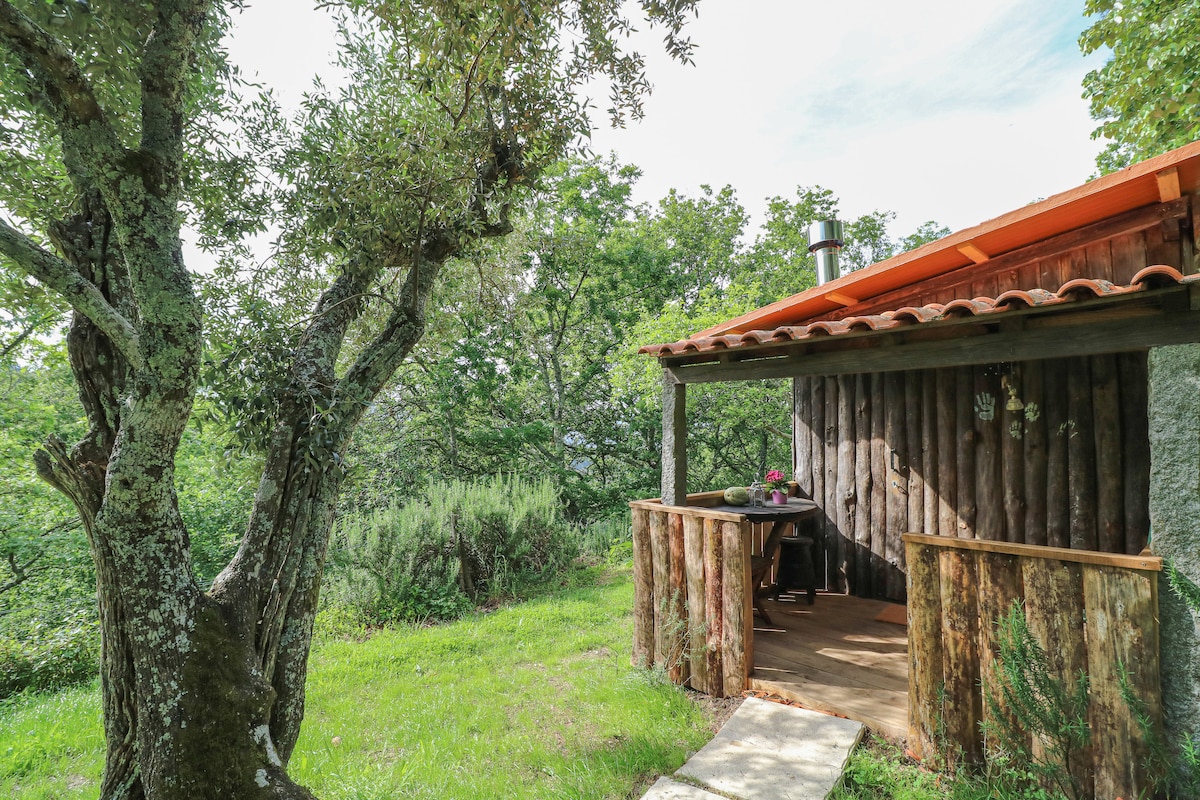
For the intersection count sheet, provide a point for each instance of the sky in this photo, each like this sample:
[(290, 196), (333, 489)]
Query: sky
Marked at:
[(955, 111)]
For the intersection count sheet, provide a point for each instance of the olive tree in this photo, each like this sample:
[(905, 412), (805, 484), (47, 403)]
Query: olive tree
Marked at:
[(118, 126)]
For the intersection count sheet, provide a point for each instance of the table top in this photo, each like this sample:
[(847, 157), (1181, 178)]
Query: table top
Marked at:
[(795, 509)]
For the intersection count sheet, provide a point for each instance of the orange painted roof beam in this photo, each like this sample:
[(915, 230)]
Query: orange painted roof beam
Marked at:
[(1159, 179)]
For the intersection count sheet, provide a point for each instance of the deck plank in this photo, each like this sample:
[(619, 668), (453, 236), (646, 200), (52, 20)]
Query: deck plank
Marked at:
[(836, 658)]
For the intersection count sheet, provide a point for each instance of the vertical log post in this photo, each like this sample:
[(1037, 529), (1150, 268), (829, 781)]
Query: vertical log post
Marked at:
[(693, 556), (1135, 448), (660, 548), (676, 616), (1111, 598), (736, 641), (802, 435), (1106, 425), (896, 439), (862, 487), (1012, 453), (714, 613), (674, 442), (960, 657), (929, 450), (914, 464), (947, 476), (817, 455), (643, 590), (1054, 613), (1034, 420), (1081, 456), (879, 489), (989, 492), (925, 683), (1058, 509), (967, 439), (835, 564), (846, 499), (999, 585)]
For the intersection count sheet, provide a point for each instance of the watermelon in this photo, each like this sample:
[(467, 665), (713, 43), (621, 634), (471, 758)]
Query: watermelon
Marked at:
[(737, 496)]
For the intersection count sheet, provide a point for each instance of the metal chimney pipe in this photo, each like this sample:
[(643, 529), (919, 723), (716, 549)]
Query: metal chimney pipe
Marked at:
[(824, 241)]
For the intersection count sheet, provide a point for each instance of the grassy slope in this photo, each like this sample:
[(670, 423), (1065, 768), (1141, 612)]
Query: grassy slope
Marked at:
[(532, 701)]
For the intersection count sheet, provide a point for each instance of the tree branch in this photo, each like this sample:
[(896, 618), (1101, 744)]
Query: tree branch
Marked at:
[(164, 69), (66, 88), (82, 294)]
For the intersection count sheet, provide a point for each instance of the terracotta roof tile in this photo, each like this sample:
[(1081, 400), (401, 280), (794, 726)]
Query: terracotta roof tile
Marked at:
[(1151, 277)]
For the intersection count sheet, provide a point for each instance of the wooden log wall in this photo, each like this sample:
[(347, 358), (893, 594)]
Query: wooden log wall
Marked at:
[(1053, 452), (1091, 612), (692, 601)]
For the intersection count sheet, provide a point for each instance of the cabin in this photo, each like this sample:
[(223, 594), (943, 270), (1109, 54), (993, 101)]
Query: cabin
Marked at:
[(1010, 413)]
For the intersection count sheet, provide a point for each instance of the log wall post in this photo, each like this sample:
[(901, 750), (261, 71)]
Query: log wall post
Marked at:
[(713, 609), (643, 590), (735, 606), (925, 682), (674, 442)]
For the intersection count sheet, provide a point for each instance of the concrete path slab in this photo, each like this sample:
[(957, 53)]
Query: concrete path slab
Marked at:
[(769, 751), (667, 789)]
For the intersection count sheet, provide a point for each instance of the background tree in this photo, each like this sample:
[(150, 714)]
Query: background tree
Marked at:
[(453, 108), (1147, 95)]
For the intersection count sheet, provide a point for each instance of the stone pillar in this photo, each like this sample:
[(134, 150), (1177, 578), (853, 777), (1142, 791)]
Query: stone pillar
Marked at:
[(1174, 374), (674, 442)]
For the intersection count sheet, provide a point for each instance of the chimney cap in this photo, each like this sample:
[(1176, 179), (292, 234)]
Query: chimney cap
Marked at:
[(825, 233)]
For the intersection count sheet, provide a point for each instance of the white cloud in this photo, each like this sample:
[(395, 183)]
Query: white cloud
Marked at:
[(935, 110)]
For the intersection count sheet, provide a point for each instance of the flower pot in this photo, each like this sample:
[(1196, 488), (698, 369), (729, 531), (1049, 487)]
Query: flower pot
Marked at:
[(778, 498)]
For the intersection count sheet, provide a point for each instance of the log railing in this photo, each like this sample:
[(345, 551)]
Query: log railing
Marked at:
[(692, 595), (1092, 612)]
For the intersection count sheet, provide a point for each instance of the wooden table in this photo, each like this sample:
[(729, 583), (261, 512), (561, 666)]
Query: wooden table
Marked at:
[(795, 510)]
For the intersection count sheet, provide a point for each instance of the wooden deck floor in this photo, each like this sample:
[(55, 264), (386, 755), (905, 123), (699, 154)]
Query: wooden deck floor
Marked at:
[(834, 656)]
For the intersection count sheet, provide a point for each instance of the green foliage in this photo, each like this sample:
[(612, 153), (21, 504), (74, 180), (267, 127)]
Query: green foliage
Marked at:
[(533, 700), (1034, 704), (48, 637), (531, 365), (879, 770), (51, 656), (437, 555), (1146, 97), (216, 485), (1175, 764)]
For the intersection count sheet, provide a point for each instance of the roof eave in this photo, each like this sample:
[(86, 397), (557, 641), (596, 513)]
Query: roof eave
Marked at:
[(1156, 180)]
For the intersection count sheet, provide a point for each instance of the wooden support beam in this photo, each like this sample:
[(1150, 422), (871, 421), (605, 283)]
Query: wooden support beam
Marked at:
[(1140, 562), (1168, 185), (674, 442), (973, 252), (841, 299)]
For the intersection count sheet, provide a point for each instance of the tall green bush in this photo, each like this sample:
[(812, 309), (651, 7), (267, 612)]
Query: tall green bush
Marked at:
[(437, 555)]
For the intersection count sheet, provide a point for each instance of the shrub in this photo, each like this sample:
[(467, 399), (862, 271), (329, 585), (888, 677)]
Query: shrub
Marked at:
[(437, 556), (52, 657)]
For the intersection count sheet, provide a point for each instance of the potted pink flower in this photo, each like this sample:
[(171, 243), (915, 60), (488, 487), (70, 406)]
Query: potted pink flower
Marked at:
[(776, 484)]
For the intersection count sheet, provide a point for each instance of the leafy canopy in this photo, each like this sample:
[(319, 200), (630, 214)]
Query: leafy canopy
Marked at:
[(1147, 95)]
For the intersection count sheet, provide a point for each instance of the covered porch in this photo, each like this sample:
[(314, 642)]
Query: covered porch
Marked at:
[(991, 393)]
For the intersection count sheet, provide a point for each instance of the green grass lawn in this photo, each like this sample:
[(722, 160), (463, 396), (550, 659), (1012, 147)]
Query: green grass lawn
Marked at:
[(536, 700)]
